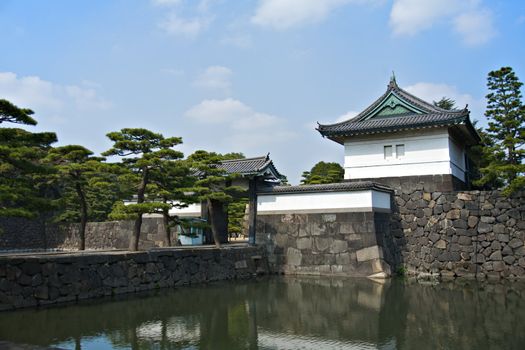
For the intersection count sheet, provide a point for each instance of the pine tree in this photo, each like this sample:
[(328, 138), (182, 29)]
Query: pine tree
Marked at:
[(21, 152), (323, 173), (143, 151), (172, 184), (80, 176), (214, 187), (445, 103), (506, 131)]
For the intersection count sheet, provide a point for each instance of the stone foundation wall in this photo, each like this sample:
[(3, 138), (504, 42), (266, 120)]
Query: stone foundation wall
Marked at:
[(459, 234), (107, 235), (24, 234), (45, 279), (428, 183), (348, 244), (21, 233)]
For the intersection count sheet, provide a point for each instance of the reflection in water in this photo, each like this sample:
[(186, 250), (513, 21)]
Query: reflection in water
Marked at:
[(286, 313)]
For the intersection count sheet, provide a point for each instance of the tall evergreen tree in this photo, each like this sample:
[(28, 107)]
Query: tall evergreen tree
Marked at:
[(445, 103), (480, 156), (79, 175), (172, 184), (213, 187), (142, 151), (12, 114), (323, 173), (506, 114), (21, 153)]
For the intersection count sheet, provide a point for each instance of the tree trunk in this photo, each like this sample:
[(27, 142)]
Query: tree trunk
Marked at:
[(213, 222), (167, 231), (83, 216), (134, 241), (252, 213)]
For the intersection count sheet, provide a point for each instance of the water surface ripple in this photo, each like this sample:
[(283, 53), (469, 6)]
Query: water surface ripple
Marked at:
[(286, 313)]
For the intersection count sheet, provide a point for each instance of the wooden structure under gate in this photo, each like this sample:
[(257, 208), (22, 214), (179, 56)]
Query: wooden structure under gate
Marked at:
[(255, 174)]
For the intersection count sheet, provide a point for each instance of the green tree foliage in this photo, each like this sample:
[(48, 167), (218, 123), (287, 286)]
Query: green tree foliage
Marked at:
[(480, 156), (323, 173), (284, 181), (171, 182), (143, 152), (22, 193), (506, 132), (213, 186), (80, 176), (12, 114), (236, 212), (445, 103)]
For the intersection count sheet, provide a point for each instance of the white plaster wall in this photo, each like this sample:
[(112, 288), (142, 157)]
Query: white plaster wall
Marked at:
[(193, 210), (457, 160), (381, 200), (426, 153), (325, 201)]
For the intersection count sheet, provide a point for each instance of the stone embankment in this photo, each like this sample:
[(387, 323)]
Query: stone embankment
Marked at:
[(34, 280), (473, 234), (37, 234), (343, 244)]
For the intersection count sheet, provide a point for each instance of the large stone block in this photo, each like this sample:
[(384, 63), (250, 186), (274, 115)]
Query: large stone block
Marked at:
[(441, 244), (496, 256), (464, 196), (293, 257), (338, 246), (304, 243), (484, 227), (322, 243), (515, 243), (369, 253)]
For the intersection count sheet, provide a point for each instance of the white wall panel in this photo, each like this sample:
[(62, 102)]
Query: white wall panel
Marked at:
[(322, 201), (427, 152)]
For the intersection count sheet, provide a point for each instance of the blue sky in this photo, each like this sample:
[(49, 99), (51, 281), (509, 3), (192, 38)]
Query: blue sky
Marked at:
[(249, 76)]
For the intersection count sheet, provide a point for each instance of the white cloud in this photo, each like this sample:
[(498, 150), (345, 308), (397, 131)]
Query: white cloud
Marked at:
[(29, 92), (475, 27), (434, 92), (468, 18), (347, 116), (218, 111), (241, 127), (173, 71), (283, 14), (232, 113), (215, 77), (411, 16), (47, 98), (165, 2), (85, 98), (175, 25), (242, 41)]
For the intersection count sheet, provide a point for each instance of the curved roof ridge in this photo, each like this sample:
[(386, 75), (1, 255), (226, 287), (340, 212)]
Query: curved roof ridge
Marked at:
[(392, 87), (336, 186), (244, 159), (423, 103), (364, 112)]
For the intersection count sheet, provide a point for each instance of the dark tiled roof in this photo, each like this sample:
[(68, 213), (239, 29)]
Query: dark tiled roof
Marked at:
[(333, 187), (402, 122), (249, 166), (424, 106), (428, 115)]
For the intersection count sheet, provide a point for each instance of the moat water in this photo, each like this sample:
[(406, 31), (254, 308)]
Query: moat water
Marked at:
[(286, 313)]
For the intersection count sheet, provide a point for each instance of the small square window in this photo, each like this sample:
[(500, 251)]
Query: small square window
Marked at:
[(388, 152), (400, 151)]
